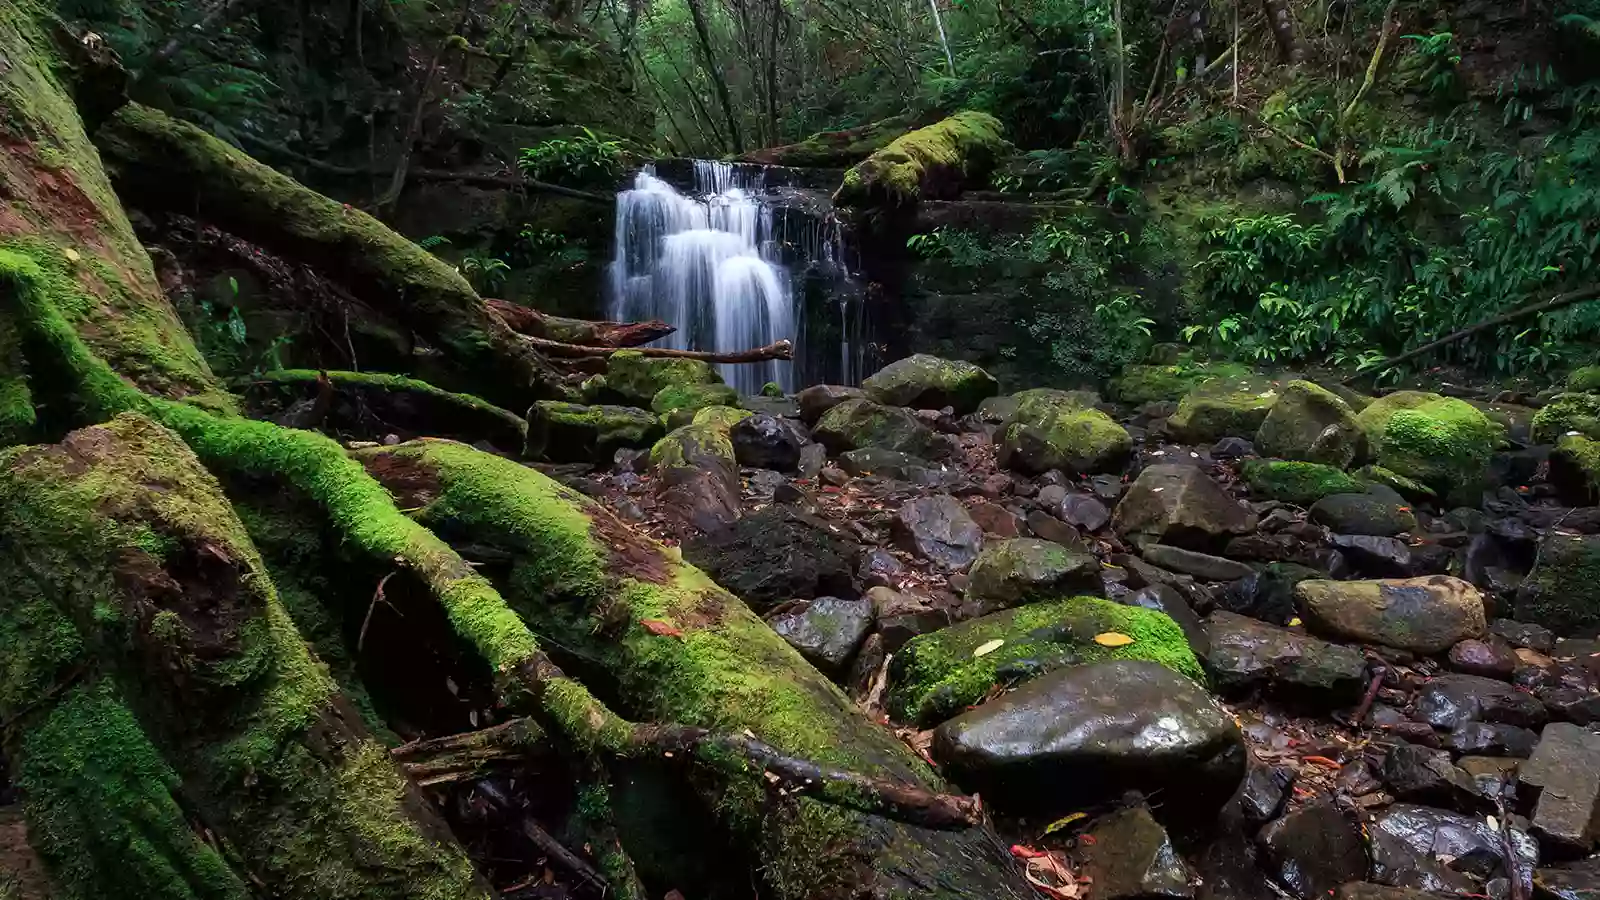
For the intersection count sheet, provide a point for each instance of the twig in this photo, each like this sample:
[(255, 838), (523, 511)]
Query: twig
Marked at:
[(567, 858), (1507, 848), (777, 350), (377, 596), (585, 332), (1365, 707)]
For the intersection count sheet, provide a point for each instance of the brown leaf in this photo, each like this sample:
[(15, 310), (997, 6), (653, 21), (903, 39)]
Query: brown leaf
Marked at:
[(660, 628)]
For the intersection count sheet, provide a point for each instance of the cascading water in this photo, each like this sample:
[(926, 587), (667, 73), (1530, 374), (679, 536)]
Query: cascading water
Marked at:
[(718, 265)]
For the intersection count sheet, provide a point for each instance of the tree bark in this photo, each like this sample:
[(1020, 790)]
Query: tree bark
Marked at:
[(708, 55), (528, 321)]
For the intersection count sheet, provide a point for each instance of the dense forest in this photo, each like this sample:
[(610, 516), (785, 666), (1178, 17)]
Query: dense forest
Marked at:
[(799, 449)]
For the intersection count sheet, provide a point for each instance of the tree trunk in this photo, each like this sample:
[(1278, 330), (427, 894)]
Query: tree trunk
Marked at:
[(708, 56)]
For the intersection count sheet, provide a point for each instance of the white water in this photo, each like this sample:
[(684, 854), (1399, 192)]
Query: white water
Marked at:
[(708, 265)]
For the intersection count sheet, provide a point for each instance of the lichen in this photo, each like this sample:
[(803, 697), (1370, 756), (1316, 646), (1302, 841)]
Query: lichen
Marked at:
[(1300, 483), (1056, 430)]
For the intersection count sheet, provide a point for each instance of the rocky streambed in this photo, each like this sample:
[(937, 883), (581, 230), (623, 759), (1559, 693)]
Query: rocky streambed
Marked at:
[(1218, 634)]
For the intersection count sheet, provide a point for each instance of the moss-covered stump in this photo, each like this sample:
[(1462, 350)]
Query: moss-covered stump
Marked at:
[(1575, 470), (698, 474), (677, 404), (596, 589), (921, 381), (570, 432), (634, 379), (1224, 407), (1300, 483), (1151, 384), (1562, 592), (1310, 423), (1568, 414), (407, 406), (931, 163), (169, 164), (1442, 442), (1054, 430), (936, 676), (155, 688), (856, 424)]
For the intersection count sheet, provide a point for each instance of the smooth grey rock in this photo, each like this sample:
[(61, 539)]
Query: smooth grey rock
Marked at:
[(1489, 657), (1424, 615), (818, 399), (939, 530), (878, 461), (1264, 791), (1201, 565), (1247, 654), (1574, 881), (1376, 557), (1267, 595), (1565, 769), (1423, 775), (768, 442), (828, 632), (1491, 739), (1181, 505), (1449, 701), (1379, 511), (1084, 511)]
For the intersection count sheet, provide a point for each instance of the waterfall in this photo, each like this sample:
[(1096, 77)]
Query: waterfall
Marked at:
[(708, 264)]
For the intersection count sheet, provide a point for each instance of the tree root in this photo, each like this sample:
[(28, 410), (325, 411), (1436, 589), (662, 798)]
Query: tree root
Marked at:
[(432, 409), (777, 350), (533, 323)]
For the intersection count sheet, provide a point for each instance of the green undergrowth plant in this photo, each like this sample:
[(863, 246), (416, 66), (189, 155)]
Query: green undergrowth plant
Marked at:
[(582, 160)]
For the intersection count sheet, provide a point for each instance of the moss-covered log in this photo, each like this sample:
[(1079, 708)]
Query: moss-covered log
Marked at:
[(602, 593), (163, 163), (931, 163)]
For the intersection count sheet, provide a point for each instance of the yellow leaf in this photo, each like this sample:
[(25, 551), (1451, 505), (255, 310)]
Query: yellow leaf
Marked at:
[(1112, 639), (987, 648), (1064, 821), (1294, 622), (71, 254)]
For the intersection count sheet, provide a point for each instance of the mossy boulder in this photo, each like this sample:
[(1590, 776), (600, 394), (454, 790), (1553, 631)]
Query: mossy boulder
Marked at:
[(1224, 407), (834, 149), (1012, 572), (855, 424), (697, 475), (1562, 592), (930, 163), (1568, 414), (1377, 510), (1585, 380), (1152, 384), (936, 676), (1310, 423), (928, 382), (570, 432), (1575, 470), (721, 417), (677, 404), (1300, 483), (636, 379), (1056, 430), (1409, 488), (1441, 442)]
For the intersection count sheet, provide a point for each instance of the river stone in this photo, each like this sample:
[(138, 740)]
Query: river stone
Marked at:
[(928, 382), (1011, 572), (1565, 769), (1223, 407), (1424, 775), (1167, 600), (878, 461), (1562, 592), (1574, 881), (1429, 849), (828, 632), (1313, 850), (775, 555), (1378, 510), (1424, 615), (768, 442), (903, 616), (1312, 424), (1132, 858), (1300, 483), (1201, 565), (570, 433), (1057, 430), (1375, 557), (1089, 733), (1449, 701), (819, 398), (697, 479), (854, 424), (1084, 511), (1267, 595), (1524, 634), (1491, 739), (1491, 657), (1264, 792), (637, 378), (1247, 654), (939, 530), (1181, 505), (1046, 526)]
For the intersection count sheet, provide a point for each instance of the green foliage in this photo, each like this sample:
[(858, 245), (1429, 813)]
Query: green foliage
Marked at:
[(486, 274), (582, 161)]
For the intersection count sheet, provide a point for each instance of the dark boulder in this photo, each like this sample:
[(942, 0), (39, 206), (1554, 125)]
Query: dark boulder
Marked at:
[(1427, 849), (1246, 654), (776, 555), (818, 399), (1131, 858), (1267, 595), (938, 529), (1313, 850), (828, 632), (768, 442), (1181, 505), (1449, 701)]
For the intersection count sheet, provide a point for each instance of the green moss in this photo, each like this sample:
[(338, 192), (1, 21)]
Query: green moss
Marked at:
[(689, 445), (1055, 430), (1585, 380), (1575, 469), (1409, 488), (1224, 407), (721, 417), (1445, 444), (772, 389), (1310, 423), (1374, 420), (399, 384), (937, 675), (964, 145), (17, 415), (1562, 592), (677, 404), (1568, 414), (1147, 384), (637, 378), (1300, 483)]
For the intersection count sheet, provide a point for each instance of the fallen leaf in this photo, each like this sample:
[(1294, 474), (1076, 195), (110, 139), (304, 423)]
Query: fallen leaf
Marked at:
[(1064, 822), (1294, 622), (71, 255), (660, 628), (988, 647), (1112, 639)]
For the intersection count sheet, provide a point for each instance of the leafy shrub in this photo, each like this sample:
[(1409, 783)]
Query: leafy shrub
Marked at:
[(585, 160)]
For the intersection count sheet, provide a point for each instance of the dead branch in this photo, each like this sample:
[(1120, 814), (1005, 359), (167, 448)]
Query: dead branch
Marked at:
[(561, 854), (777, 350), (532, 323), (1373, 64), (463, 757)]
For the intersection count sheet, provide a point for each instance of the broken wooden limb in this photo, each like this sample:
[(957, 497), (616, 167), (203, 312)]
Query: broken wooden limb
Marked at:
[(586, 332), (775, 350)]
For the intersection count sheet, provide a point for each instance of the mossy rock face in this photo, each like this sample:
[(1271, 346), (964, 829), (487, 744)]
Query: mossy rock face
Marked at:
[(1562, 593), (932, 163), (569, 432), (1575, 470), (928, 382), (935, 676), (1585, 380), (1312, 424), (677, 404), (636, 379), (1568, 414), (855, 424), (1011, 572), (1441, 442), (1056, 430), (1300, 483), (1406, 487), (698, 474), (1153, 384), (723, 417), (1224, 407)]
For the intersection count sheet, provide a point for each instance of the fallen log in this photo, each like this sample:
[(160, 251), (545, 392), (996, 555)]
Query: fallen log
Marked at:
[(533, 323), (775, 350), (405, 404)]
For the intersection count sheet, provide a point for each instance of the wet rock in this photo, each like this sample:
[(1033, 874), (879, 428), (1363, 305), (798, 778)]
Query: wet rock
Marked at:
[(1565, 769), (1201, 565), (568, 432), (902, 617), (812, 458), (1442, 442), (1300, 483), (1051, 495), (1428, 849), (1232, 448), (939, 530), (1376, 511), (1090, 733), (775, 555), (1424, 615), (1491, 739), (828, 633), (855, 424), (1169, 601), (697, 478), (1313, 850), (1246, 653), (1562, 592), (1375, 557), (1263, 793), (868, 663), (1574, 881), (1312, 424), (928, 382), (1267, 595), (1050, 528), (818, 399), (1180, 505), (879, 568), (768, 442), (1228, 870), (763, 484), (1132, 858), (878, 461), (1423, 775), (1289, 549), (1223, 407), (1057, 430), (1012, 572), (1357, 778), (1575, 705), (1084, 511), (996, 519), (1363, 890), (1107, 488), (1491, 657), (833, 475), (1524, 634), (1450, 701)]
